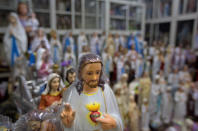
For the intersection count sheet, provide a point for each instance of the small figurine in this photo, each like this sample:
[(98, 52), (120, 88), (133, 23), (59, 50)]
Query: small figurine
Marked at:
[(52, 92), (134, 114), (56, 48), (145, 116), (82, 41), (70, 76), (90, 102)]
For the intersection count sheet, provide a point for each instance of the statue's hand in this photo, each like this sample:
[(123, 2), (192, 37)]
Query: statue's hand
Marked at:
[(107, 122), (68, 115)]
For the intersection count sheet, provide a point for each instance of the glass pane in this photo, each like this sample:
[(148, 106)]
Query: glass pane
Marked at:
[(90, 6), (64, 5), (147, 33), (184, 33), (101, 23), (78, 5), (78, 22), (90, 22), (43, 19), (118, 10), (101, 7), (64, 22), (117, 24), (164, 9), (134, 25), (135, 13), (41, 4), (149, 8), (181, 7), (191, 6)]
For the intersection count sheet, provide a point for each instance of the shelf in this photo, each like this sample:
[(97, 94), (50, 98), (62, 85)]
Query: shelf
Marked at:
[(132, 19), (125, 32), (4, 75), (41, 11), (53, 14), (160, 20), (118, 17), (60, 12), (78, 13), (90, 15), (6, 8)]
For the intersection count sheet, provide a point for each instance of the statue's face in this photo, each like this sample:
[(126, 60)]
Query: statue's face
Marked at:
[(55, 83), (91, 74), (71, 77), (23, 9), (12, 20)]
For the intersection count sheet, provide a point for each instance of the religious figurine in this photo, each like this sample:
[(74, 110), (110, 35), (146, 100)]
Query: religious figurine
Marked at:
[(56, 48), (134, 114), (69, 42), (40, 36), (95, 44), (144, 88), (69, 58), (122, 96), (167, 105), (15, 43), (180, 104), (90, 102), (44, 65), (82, 41), (70, 76), (110, 45), (52, 93), (145, 117)]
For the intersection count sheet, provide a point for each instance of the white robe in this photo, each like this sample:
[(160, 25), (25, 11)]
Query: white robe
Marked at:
[(145, 118), (21, 39), (82, 41), (156, 66), (167, 106), (78, 103), (167, 64), (71, 40), (39, 58), (122, 41), (36, 42), (173, 80), (94, 42), (117, 43), (120, 66), (155, 112), (102, 42), (59, 56), (72, 57), (108, 63), (180, 106)]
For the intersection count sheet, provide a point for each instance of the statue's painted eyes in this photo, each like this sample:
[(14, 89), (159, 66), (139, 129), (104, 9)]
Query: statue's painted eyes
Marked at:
[(98, 72), (89, 73)]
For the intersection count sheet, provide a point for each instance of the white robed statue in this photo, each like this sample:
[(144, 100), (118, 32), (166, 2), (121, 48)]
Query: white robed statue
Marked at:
[(15, 39), (91, 104)]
